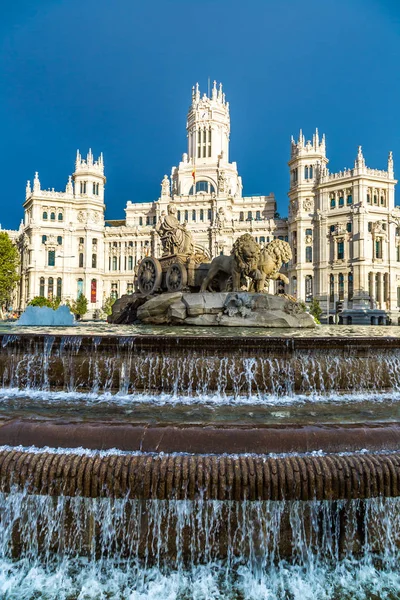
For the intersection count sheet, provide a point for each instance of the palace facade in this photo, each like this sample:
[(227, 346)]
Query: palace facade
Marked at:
[(343, 227)]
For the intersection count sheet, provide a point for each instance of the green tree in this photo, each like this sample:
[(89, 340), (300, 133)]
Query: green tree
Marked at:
[(9, 263), (108, 304), (42, 301), (315, 310), (79, 307)]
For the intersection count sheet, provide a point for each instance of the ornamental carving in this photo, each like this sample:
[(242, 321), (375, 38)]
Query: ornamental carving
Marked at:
[(308, 205), (81, 216)]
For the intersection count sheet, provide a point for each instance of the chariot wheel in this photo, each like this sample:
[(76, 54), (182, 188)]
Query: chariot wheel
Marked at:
[(149, 276), (176, 278)]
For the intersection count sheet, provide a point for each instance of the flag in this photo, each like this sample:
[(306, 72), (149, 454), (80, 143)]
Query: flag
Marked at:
[(194, 174)]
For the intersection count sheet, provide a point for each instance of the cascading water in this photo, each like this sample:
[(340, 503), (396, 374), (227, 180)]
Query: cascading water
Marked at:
[(76, 524)]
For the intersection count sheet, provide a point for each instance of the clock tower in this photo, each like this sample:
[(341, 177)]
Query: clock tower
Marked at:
[(208, 126)]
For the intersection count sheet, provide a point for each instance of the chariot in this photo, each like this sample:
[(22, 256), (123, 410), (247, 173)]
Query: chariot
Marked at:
[(175, 273)]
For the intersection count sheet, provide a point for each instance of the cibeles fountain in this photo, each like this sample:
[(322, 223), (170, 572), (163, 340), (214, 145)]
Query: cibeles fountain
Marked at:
[(196, 455), (228, 292)]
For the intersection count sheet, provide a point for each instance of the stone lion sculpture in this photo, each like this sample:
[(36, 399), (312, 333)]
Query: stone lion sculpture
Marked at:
[(243, 261), (272, 257), (248, 260)]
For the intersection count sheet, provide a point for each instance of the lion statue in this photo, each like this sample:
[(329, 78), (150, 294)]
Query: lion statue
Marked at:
[(248, 260), (243, 261), (271, 259)]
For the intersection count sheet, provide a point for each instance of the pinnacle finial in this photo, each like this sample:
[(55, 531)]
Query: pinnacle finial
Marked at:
[(36, 183)]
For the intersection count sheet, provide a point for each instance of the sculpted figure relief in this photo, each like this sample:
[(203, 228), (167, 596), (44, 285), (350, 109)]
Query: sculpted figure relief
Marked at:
[(248, 260), (175, 238)]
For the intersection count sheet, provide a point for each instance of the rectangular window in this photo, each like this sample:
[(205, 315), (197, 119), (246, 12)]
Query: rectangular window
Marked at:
[(81, 260), (370, 226), (114, 263), (209, 143), (341, 201), (129, 288), (209, 214), (241, 216), (258, 215), (140, 220), (193, 215), (179, 215), (333, 203), (130, 263), (308, 231), (309, 254), (349, 227), (201, 214), (59, 240), (41, 288), (382, 200), (249, 216), (51, 258), (94, 261), (375, 199), (368, 199), (398, 253), (186, 215), (349, 199), (81, 241), (340, 250), (44, 239), (114, 290), (147, 220), (332, 228)]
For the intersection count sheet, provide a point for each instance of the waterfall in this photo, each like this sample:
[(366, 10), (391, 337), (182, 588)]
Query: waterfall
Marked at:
[(118, 548)]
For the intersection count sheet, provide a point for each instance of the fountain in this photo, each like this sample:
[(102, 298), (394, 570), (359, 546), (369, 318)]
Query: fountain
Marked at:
[(164, 461)]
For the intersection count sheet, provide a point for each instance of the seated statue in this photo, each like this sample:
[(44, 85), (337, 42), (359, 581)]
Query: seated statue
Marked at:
[(175, 238)]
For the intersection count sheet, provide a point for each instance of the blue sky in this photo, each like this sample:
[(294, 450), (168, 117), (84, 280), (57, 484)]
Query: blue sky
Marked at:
[(116, 76)]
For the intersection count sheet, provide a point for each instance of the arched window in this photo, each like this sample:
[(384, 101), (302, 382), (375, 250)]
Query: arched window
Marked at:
[(93, 291), (60, 216), (186, 215), (258, 215), (309, 288), (80, 288), (310, 172), (262, 240), (59, 240), (202, 187), (59, 287), (50, 288), (249, 215), (350, 286), (378, 248), (305, 172), (94, 261), (309, 254), (294, 286), (331, 288), (193, 215), (241, 216), (81, 260), (41, 287), (114, 263), (45, 216), (341, 286), (52, 216)]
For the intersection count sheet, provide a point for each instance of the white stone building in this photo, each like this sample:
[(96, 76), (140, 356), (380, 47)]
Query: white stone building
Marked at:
[(343, 227)]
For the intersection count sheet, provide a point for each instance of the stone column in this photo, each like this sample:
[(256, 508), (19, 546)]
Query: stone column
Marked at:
[(372, 293)]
